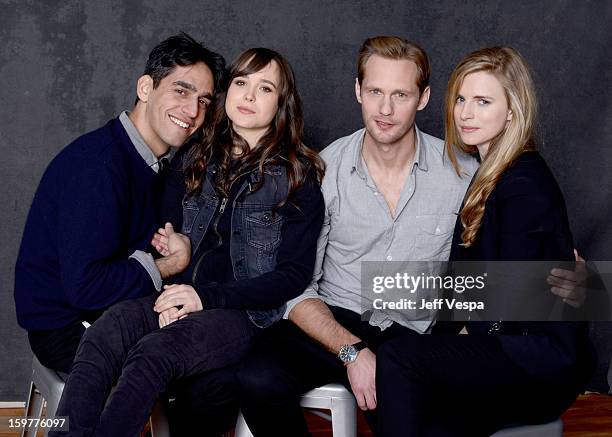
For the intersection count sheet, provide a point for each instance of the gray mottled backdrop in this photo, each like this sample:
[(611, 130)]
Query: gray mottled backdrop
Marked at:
[(67, 67)]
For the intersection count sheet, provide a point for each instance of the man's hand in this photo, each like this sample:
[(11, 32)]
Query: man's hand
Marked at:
[(569, 284), (168, 316), (178, 295), (176, 249), (362, 376)]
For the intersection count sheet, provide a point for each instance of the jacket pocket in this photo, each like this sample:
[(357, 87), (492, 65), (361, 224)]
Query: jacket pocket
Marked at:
[(264, 229)]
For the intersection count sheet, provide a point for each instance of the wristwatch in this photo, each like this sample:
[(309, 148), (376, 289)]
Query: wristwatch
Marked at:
[(348, 352)]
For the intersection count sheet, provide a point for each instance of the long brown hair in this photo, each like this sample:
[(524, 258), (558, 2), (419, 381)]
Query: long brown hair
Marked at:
[(281, 144), (511, 70)]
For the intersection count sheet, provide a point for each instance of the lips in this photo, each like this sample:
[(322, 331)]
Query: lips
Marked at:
[(244, 110), (469, 129), (383, 125), (179, 123)]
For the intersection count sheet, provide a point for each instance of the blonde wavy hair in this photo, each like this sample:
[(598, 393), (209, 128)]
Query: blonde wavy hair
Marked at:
[(509, 67)]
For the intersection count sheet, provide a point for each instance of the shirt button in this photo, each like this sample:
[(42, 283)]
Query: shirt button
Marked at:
[(389, 257)]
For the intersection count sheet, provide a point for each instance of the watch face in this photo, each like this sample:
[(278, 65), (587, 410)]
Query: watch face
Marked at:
[(348, 353)]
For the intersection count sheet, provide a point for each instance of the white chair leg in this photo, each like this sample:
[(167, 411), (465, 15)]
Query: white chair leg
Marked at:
[(242, 429), (344, 418)]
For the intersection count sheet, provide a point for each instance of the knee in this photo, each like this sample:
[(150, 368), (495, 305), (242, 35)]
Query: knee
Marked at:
[(154, 347), (261, 381), (395, 356)]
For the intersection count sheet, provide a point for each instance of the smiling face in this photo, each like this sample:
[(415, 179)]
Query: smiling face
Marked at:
[(252, 102), (390, 98), (481, 110), (168, 115)]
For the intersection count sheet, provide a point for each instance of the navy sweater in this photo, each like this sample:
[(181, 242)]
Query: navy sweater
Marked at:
[(95, 205)]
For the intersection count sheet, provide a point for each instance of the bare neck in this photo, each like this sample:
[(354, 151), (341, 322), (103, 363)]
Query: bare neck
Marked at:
[(394, 158)]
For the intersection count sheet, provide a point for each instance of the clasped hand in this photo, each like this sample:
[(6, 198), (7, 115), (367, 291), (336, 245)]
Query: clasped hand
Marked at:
[(177, 300)]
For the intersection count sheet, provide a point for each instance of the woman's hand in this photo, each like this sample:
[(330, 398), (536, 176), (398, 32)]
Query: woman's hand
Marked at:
[(160, 240), (168, 316), (176, 249), (178, 295)]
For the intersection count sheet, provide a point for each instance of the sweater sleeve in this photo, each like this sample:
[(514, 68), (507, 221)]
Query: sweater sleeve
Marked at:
[(95, 270), (294, 262)]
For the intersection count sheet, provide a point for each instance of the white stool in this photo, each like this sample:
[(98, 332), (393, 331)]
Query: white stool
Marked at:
[(333, 397), (47, 386), (552, 429)]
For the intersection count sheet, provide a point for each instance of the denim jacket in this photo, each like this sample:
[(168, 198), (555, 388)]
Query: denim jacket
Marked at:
[(255, 229)]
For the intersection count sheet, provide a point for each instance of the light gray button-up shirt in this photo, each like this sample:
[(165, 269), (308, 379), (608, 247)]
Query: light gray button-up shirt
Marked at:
[(358, 225)]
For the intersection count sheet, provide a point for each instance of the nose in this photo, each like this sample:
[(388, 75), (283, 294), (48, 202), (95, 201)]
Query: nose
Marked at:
[(191, 108), (249, 95), (386, 106), (467, 111)]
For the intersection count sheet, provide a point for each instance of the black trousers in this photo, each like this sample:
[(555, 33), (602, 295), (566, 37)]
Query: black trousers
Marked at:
[(286, 363), (126, 348), (460, 385)]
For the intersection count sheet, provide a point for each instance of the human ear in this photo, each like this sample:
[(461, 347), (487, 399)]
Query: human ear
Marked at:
[(357, 90), (509, 117), (144, 86), (424, 99)]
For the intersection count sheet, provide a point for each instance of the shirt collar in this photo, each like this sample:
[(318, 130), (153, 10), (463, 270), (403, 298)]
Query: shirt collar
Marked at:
[(139, 143), (420, 154)]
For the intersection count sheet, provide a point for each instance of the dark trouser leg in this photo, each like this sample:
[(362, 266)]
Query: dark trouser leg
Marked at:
[(287, 363), (203, 341), (99, 360), (208, 402), (56, 348), (463, 385)]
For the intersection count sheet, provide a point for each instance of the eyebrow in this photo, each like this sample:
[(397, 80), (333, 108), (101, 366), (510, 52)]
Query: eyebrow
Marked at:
[(398, 90), (263, 80), (483, 97), (270, 82), (191, 87)]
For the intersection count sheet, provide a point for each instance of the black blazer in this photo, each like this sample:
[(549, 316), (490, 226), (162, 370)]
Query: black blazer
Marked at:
[(525, 219)]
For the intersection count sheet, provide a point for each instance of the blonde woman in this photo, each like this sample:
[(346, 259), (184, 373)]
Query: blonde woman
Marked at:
[(507, 373)]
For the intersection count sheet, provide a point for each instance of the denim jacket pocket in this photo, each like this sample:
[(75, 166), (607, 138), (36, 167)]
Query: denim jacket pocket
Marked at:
[(263, 229)]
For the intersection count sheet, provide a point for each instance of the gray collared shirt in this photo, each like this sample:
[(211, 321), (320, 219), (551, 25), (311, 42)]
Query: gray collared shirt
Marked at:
[(358, 225)]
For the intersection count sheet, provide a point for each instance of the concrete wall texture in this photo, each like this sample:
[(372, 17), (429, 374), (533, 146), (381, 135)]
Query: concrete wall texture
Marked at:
[(67, 67)]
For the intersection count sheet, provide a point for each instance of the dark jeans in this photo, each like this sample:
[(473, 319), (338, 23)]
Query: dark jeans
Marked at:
[(126, 348), (207, 402), (459, 385), (286, 363)]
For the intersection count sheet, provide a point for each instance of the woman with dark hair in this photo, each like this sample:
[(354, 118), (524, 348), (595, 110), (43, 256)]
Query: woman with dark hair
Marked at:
[(252, 211), (502, 373)]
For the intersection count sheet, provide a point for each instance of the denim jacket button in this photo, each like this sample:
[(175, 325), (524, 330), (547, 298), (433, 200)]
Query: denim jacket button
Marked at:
[(200, 226)]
